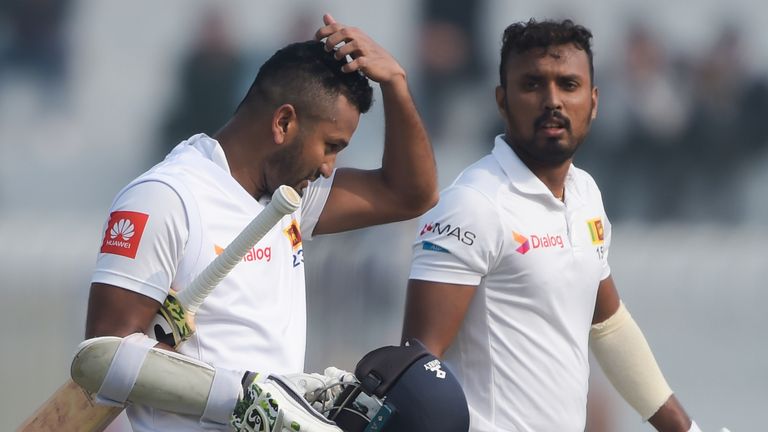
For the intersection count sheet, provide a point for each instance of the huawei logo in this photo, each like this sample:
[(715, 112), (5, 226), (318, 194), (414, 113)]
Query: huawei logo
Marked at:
[(123, 228), (123, 233)]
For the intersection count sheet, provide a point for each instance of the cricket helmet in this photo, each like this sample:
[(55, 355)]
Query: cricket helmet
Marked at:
[(402, 389)]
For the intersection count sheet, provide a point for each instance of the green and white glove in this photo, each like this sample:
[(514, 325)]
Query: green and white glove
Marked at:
[(272, 403), (321, 390)]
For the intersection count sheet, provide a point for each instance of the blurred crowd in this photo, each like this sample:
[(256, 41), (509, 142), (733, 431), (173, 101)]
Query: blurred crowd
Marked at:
[(33, 42), (679, 137), (677, 134), (676, 138)]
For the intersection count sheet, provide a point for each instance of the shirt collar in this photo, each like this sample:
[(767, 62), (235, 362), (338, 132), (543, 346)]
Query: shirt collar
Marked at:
[(210, 149), (521, 177)]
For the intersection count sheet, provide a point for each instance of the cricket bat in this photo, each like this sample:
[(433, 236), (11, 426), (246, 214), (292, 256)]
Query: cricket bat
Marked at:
[(71, 408)]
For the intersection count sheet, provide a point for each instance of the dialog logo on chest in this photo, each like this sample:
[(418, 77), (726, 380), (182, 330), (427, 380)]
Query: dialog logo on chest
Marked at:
[(536, 241), (255, 254)]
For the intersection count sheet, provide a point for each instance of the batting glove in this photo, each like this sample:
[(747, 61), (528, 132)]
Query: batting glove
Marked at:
[(273, 403), (321, 390)]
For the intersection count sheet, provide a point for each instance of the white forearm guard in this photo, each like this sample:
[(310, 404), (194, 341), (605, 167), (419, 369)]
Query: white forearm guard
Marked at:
[(625, 357), (130, 369), (119, 370)]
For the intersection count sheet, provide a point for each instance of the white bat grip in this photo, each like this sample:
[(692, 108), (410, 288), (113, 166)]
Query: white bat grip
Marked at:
[(285, 201)]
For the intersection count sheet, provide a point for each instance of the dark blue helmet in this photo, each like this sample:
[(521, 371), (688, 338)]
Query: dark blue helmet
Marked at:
[(402, 389)]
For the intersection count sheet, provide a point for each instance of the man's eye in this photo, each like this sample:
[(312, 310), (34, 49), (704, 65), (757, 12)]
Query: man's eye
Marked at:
[(530, 85), (571, 85)]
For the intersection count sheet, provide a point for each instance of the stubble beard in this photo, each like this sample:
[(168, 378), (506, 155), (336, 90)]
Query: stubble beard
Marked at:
[(283, 166), (546, 152), (551, 153)]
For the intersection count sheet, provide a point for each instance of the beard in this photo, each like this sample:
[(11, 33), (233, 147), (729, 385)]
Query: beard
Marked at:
[(285, 167), (547, 151)]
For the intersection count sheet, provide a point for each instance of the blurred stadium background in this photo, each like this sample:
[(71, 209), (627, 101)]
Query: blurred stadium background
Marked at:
[(93, 93)]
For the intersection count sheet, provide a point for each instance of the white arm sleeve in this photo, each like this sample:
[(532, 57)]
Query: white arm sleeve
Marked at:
[(312, 204), (458, 240), (626, 358), (158, 247)]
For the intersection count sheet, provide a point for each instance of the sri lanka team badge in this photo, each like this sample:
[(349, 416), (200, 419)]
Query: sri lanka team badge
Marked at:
[(293, 232), (596, 231)]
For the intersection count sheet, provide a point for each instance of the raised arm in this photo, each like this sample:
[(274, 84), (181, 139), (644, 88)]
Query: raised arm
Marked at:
[(406, 184), (627, 360)]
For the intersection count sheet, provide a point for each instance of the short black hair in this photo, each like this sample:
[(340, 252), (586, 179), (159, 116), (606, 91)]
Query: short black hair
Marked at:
[(521, 37), (305, 75)]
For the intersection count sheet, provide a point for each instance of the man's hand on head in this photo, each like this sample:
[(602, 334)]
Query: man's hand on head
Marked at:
[(364, 53)]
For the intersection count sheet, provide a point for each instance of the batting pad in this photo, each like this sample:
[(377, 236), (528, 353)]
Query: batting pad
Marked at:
[(167, 380)]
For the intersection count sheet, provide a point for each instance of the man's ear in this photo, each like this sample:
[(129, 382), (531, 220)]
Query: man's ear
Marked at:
[(284, 125), (501, 103), (595, 94)]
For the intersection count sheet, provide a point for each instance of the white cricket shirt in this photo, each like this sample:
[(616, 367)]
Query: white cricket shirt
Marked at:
[(522, 350), (169, 223)]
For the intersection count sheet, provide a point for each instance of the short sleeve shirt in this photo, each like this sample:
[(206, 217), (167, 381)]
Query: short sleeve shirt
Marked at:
[(159, 230), (522, 349), (169, 224)]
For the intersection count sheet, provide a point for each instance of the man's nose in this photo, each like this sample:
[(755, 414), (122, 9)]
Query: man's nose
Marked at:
[(326, 168), (552, 98)]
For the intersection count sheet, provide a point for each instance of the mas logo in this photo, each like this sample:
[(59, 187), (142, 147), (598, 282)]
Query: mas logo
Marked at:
[(441, 228), (123, 234), (534, 241), (596, 231)]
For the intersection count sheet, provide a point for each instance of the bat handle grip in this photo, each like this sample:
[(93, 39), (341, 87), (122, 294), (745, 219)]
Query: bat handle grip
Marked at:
[(285, 201)]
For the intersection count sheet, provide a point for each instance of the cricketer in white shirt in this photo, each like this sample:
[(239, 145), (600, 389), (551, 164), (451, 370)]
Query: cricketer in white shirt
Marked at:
[(173, 226), (301, 110), (522, 350)]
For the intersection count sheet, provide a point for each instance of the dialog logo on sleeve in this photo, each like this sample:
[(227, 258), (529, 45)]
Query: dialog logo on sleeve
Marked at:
[(123, 233)]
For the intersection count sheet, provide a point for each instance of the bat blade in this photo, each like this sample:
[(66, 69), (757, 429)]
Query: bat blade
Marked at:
[(73, 405)]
